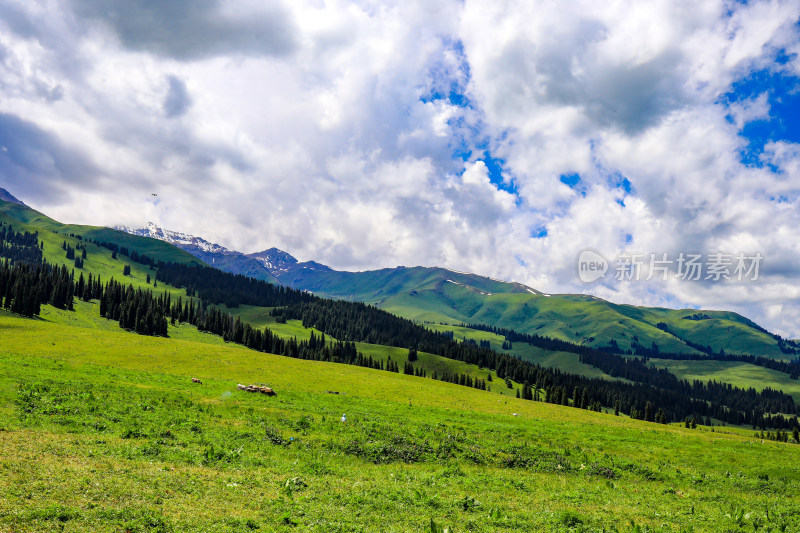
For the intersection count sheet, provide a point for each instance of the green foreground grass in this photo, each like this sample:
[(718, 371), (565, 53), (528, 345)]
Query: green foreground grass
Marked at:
[(103, 430)]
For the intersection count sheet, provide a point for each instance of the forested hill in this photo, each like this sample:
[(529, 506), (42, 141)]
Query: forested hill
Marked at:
[(54, 234), (430, 294)]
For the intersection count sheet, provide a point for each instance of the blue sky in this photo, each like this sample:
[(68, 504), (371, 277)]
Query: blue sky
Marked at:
[(781, 93), (499, 137)]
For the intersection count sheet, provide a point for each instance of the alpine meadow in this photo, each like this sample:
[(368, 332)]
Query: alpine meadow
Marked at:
[(362, 266)]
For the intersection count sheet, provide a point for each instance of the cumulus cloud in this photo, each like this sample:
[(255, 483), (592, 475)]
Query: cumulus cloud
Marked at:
[(365, 135), (194, 29)]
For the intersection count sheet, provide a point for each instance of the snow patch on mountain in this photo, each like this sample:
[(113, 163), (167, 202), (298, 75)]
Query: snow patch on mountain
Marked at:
[(175, 237), (275, 260)]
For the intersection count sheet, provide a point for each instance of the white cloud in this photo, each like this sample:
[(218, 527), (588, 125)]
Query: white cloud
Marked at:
[(325, 128)]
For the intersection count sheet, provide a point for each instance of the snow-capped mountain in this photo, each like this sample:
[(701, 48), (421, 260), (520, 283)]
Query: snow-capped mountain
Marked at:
[(281, 263), (176, 238), (274, 260), (211, 253)]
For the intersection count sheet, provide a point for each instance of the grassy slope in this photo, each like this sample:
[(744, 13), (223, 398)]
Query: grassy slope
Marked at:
[(260, 317), (103, 431), (739, 374), (374, 285), (98, 260), (442, 296), (567, 362)]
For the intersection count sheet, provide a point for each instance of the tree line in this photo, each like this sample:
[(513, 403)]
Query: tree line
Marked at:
[(214, 286), (133, 255), (25, 287), (626, 367), (19, 245), (711, 399)]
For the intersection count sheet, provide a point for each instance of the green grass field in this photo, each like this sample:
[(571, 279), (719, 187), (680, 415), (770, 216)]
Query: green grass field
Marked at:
[(103, 430)]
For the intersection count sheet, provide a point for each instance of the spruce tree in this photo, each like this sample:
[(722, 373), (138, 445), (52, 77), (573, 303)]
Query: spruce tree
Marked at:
[(526, 391)]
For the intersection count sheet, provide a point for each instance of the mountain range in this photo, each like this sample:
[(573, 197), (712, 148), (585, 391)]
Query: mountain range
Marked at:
[(438, 295)]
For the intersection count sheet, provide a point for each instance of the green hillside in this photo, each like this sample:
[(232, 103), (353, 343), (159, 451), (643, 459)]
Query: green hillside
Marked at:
[(735, 373), (437, 295), (104, 431), (260, 317), (53, 234), (99, 260)]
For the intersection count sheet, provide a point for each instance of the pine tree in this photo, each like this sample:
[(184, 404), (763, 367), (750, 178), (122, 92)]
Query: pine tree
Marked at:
[(412, 354), (526, 391)]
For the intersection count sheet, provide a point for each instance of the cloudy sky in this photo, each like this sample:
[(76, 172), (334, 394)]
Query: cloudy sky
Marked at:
[(498, 137)]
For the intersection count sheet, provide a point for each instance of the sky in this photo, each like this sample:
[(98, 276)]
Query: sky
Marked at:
[(498, 137)]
